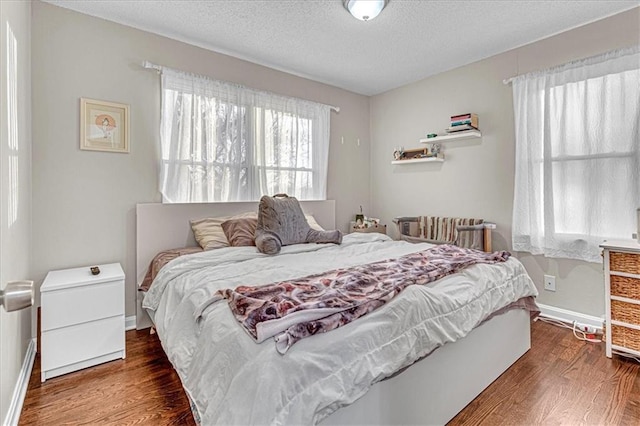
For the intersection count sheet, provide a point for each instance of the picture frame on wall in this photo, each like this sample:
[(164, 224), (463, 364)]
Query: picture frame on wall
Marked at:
[(104, 126)]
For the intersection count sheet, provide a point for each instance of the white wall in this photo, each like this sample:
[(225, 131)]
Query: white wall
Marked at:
[(476, 180), (84, 202), (15, 187)]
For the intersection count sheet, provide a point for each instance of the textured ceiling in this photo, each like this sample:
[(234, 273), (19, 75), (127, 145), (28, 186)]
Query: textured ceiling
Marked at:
[(318, 39)]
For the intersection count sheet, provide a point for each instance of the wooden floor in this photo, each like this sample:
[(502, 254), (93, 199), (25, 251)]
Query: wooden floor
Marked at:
[(559, 381)]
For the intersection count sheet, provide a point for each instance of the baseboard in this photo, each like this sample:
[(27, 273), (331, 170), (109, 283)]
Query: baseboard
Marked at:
[(20, 391), (569, 317), (130, 323)]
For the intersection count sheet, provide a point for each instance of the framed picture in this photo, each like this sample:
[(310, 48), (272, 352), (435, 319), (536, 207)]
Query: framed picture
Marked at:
[(104, 126)]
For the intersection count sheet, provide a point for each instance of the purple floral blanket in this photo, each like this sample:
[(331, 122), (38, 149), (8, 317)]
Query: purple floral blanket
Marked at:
[(295, 309)]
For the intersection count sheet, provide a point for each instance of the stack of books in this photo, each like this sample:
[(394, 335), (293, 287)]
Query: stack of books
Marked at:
[(463, 122)]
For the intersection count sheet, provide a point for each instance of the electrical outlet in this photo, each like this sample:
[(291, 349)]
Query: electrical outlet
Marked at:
[(587, 329), (550, 283)]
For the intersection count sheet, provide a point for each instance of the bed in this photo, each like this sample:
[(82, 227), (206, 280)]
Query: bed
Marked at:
[(345, 376)]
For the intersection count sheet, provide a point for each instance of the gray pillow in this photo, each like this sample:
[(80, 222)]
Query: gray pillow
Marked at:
[(281, 222)]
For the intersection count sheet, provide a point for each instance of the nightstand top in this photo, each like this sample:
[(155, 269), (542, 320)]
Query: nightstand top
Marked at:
[(66, 278), (631, 245)]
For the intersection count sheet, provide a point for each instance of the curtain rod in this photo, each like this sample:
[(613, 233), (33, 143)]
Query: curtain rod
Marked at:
[(151, 66), (588, 60)]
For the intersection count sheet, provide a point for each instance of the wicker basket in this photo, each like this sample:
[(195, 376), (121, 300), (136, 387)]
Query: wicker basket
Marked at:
[(625, 312), (624, 262), (626, 337), (625, 287)]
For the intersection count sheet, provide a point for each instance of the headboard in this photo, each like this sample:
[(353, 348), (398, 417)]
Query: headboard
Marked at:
[(166, 226)]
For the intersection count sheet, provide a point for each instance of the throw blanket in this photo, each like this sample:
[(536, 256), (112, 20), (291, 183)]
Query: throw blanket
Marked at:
[(293, 310)]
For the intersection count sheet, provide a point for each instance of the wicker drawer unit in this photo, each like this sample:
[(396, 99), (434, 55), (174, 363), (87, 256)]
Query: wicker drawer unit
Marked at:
[(622, 296)]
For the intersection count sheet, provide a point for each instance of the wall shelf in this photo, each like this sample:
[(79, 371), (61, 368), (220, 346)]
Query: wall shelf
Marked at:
[(419, 160), (467, 134)]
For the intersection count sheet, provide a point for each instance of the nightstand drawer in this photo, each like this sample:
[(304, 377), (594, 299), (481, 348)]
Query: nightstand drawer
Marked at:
[(69, 345), (625, 337), (61, 308), (625, 312), (624, 262), (625, 287)]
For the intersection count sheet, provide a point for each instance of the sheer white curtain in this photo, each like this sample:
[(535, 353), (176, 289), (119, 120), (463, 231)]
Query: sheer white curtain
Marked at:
[(225, 142), (577, 177)]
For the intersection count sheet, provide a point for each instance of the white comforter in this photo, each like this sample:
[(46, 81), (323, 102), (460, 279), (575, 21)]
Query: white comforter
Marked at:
[(233, 380)]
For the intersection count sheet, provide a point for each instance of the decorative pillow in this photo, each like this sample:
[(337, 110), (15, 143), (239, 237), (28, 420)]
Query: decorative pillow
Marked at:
[(208, 232), (240, 232), (281, 222), (162, 259)]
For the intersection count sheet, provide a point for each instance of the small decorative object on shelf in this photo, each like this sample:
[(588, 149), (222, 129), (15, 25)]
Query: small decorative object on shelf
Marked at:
[(411, 154), (420, 155), (360, 217), (95, 270), (398, 153)]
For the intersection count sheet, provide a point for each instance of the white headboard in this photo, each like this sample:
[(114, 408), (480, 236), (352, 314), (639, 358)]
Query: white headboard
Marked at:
[(166, 226)]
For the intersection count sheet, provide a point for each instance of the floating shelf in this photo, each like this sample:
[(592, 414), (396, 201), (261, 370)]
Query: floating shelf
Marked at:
[(467, 134), (419, 160)]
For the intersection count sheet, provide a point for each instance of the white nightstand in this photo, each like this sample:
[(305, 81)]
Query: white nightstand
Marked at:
[(82, 319), (381, 229), (622, 296)]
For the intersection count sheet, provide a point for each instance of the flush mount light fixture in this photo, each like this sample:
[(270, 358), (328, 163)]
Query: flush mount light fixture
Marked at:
[(365, 10)]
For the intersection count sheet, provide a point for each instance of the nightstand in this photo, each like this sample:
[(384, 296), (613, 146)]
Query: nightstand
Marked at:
[(82, 319), (622, 296), (381, 229)]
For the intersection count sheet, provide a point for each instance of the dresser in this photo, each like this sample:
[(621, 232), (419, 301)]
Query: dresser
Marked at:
[(622, 296), (82, 319)]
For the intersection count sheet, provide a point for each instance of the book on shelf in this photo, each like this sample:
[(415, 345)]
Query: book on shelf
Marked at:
[(460, 122), (460, 116), (460, 128), (464, 119)]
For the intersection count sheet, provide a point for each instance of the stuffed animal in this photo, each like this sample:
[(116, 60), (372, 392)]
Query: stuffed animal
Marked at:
[(281, 222)]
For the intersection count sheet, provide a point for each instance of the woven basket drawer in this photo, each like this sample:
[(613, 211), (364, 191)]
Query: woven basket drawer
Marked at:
[(625, 312), (624, 262), (625, 287), (626, 337)]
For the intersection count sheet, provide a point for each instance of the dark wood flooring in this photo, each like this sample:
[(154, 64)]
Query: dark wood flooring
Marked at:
[(559, 381), (141, 389)]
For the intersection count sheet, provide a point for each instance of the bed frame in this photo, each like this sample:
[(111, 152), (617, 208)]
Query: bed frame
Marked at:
[(166, 226), (431, 391)]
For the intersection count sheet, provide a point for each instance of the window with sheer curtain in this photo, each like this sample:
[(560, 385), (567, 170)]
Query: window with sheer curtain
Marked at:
[(224, 142), (577, 156)]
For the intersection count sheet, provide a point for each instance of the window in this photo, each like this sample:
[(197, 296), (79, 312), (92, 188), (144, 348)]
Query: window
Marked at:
[(577, 156), (224, 142)]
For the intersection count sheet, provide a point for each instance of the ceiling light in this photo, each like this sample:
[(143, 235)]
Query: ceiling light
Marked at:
[(365, 10)]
